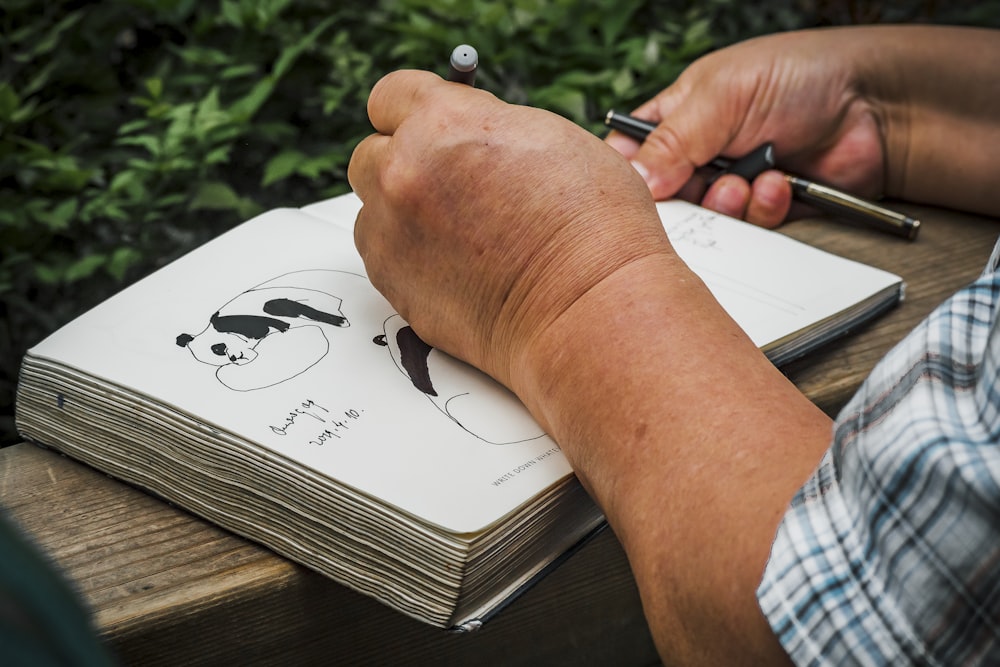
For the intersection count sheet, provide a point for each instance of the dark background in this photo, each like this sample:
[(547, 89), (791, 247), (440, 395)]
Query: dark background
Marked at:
[(132, 131)]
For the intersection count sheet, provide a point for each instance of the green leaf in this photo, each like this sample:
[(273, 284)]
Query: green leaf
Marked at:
[(132, 126), (25, 112), (128, 184), (697, 38), (84, 267), (155, 87), (53, 39), (55, 218), (47, 275), (314, 167), (231, 13), (622, 83), (9, 102), (237, 71), (64, 212), (281, 166), (40, 79), (63, 176), (149, 142), (121, 260), (569, 102), (249, 104), (218, 155), (214, 196)]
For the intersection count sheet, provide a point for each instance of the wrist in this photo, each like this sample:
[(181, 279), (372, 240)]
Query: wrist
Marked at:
[(604, 359), (933, 88), (686, 436)]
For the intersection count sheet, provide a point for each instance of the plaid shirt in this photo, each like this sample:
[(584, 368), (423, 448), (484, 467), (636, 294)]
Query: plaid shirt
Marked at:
[(890, 553)]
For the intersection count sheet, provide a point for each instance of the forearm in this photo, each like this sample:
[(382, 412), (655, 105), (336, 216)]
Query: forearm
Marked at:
[(688, 438), (936, 90)]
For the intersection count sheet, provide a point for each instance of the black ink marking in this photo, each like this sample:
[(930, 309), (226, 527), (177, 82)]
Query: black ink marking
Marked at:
[(413, 353), (299, 299), (323, 437), (291, 308), (250, 326), (305, 409)]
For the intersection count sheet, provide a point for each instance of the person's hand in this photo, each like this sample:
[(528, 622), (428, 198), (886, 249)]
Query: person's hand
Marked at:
[(802, 91), (483, 221), (517, 241)]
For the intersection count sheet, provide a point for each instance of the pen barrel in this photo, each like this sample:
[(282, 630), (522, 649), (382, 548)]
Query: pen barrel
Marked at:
[(635, 128), (751, 165), (854, 208)]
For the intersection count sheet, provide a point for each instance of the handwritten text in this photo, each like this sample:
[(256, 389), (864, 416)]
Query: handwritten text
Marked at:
[(331, 426)]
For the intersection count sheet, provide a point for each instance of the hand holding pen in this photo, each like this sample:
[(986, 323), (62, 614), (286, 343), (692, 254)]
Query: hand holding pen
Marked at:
[(823, 197)]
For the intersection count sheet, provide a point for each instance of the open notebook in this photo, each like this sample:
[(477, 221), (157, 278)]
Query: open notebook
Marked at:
[(263, 384)]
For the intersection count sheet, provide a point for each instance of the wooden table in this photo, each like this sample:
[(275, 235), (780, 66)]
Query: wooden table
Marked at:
[(167, 588)]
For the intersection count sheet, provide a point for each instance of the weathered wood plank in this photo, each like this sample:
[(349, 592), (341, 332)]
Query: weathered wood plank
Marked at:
[(950, 251), (168, 588)]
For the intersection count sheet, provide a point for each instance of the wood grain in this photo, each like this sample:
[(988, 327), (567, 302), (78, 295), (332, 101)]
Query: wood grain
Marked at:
[(950, 252), (167, 588)]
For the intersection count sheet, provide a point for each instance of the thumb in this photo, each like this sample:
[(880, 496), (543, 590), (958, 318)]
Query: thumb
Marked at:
[(694, 124)]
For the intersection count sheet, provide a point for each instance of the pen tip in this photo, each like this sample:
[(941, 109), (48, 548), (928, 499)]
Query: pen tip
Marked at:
[(608, 116)]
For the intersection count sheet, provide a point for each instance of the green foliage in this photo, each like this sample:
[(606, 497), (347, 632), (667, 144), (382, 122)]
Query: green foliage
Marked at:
[(576, 58), (134, 130)]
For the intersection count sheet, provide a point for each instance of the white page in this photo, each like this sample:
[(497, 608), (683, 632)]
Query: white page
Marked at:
[(379, 433), (341, 211), (772, 285), (324, 395)]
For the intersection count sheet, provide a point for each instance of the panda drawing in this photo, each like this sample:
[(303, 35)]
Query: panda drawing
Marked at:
[(281, 328), (471, 399), (271, 332)]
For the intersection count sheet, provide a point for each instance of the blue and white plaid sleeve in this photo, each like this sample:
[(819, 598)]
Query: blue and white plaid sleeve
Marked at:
[(890, 553)]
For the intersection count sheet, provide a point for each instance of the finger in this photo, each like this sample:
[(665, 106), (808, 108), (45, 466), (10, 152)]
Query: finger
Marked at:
[(662, 164), (396, 95), (368, 158), (625, 145), (729, 195), (770, 199), (365, 240), (694, 190), (700, 117), (682, 140)]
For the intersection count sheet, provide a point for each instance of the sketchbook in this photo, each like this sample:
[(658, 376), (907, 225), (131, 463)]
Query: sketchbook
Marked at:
[(261, 382)]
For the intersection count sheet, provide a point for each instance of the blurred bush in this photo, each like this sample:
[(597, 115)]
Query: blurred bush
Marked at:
[(133, 130)]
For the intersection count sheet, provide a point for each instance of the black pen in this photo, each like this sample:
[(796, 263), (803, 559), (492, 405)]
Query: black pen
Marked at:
[(463, 64), (823, 197)]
